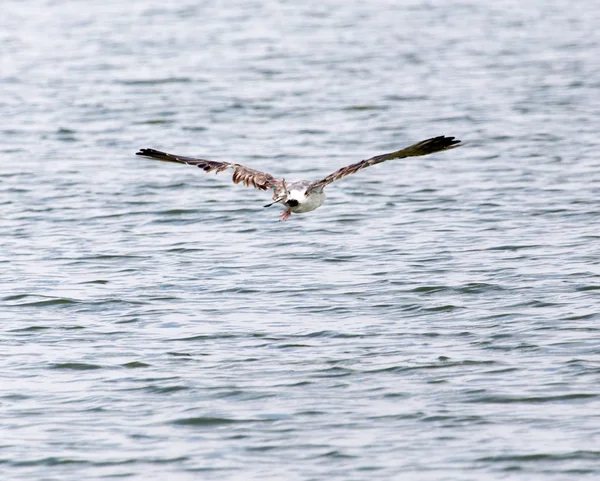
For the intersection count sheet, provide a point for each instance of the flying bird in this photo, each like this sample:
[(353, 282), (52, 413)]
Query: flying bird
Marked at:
[(303, 196)]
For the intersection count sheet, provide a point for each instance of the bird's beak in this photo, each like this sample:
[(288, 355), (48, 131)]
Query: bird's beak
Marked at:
[(276, 201)]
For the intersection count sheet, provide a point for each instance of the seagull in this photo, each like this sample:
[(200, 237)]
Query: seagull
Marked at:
[(303, 196)]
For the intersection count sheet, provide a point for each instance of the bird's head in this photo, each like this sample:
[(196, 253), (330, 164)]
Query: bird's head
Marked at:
[(284, 196)]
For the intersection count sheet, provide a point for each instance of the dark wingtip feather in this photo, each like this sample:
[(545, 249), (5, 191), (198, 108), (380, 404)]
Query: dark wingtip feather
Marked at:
[(437, 144), (151, 153), (158, 155), (451, 141)]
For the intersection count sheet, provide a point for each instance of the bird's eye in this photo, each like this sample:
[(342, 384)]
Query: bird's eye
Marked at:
[(292, 202)]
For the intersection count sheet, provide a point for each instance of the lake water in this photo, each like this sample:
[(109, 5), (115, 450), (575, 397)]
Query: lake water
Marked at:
[(437, 319)]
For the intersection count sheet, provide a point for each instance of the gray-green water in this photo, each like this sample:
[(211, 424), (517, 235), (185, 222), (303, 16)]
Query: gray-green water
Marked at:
[(436, 319)]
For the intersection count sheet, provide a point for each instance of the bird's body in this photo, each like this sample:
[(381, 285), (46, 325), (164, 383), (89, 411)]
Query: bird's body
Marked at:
[(303, 196), (300, 201)]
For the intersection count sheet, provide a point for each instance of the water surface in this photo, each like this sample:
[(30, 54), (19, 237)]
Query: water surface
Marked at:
[(436, 319)]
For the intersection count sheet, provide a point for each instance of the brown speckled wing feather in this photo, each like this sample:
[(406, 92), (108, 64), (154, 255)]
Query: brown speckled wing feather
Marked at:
[(425, 147), (241, 174)]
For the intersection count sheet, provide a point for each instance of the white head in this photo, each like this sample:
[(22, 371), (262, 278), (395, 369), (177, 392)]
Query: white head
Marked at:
[(295, 197), (291, 195)]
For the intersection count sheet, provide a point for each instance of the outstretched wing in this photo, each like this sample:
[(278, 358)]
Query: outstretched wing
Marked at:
[(241, 174), (425, 147)]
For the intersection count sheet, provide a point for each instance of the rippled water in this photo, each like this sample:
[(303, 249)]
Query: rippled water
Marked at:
[(436, 319)]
